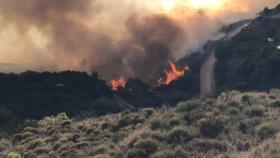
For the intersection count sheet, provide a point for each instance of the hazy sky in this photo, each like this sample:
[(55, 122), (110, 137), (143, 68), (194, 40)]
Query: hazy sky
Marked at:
[(115, 37)]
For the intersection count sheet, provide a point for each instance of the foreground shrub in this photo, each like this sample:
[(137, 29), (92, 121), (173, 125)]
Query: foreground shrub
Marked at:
[(130, 119), (158, 124), (275, 104), (147, 145), (268, 130), (255, 111), (178, 152), (159, 136), (21, 136), (188, 106), (148, 112), (14, 155), (211, 127), (136, 153), (53, 120), (206, 145), (180, 135)]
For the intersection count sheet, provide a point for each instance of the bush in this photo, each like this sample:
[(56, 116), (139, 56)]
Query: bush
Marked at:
[(211, 128), (147, 145), (268, 130), (188, 106), (255, 111), (158, 124), (21, 136), (180, 135), (275, 104), (130, 119), (178, 152), (148, 112), (66, 122), (158, 136), (246, 99), (174, 122), (102, 149), (206, 145), (14, 155), (136, 153), (53, 120), (233, 111), (103, 156)]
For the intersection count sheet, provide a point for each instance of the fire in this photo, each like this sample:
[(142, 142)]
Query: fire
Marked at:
[(172, 75), (120, 82)]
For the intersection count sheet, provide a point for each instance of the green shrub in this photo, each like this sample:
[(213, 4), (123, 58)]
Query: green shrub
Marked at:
[(66, 122), (147, 145), (102, 149), (188, 106), (148, 112), (136, 153), (31, 129), (130, 119), (53, 120), (159, 136), (206, 145), (164, 154), (243, 127), (174, 122), (21, 136), (211, 127), (178, 152), (268, 130), (158, 124), (118, 136), (233, 111), (180, 135), (246, 99), (14, 155), (275, 104), (255, 111)]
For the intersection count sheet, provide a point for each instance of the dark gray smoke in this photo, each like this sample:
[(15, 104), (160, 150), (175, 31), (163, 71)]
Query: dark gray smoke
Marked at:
[(142, 54)]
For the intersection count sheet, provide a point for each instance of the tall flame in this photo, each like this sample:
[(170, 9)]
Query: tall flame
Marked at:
[(120, 82), (172, 75)]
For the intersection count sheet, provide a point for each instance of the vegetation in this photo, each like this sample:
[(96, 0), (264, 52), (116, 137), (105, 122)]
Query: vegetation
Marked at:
[(239, 125)]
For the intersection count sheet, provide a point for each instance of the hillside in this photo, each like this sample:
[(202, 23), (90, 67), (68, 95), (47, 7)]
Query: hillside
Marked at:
[(251, 59), (235, 125)]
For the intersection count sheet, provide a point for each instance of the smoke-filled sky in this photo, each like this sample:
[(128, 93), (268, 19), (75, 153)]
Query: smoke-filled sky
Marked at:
[(133, 38)]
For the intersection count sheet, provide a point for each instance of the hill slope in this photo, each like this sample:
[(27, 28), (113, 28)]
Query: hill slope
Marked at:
[(251, 59), (233, 123)]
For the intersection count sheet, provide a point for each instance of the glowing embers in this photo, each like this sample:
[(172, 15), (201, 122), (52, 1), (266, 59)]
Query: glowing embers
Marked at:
[(117, 83), (173, 74)]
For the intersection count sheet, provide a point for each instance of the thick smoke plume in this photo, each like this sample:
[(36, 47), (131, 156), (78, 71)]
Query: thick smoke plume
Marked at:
[(128, 38)]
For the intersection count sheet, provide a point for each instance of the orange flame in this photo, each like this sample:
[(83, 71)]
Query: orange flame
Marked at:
[(172, 75), (120, 82)]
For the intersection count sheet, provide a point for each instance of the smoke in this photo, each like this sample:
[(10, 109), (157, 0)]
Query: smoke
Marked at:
[(134, 39)]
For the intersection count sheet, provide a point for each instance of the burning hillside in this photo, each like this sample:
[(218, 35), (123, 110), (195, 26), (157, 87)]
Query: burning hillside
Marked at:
[(173, 74), (115, 84)]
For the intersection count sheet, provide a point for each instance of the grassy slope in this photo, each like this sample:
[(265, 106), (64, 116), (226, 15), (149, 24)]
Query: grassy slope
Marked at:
[(234, 125)]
